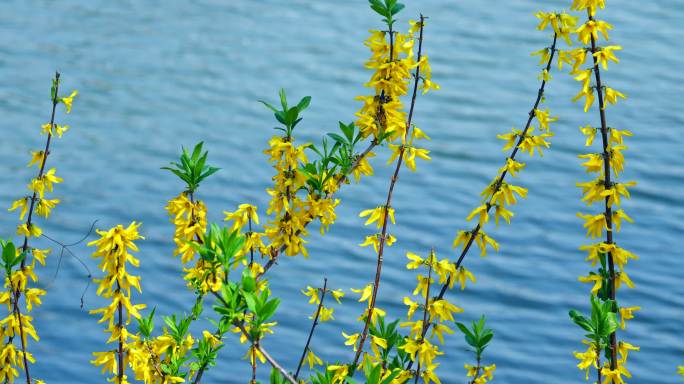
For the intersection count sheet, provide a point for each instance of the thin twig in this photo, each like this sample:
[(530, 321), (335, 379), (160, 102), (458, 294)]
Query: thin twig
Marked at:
[(65, 247), (17, 293), (313, 327)]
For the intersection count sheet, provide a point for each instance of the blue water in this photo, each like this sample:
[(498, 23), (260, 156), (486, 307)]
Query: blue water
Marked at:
[(156, 75)]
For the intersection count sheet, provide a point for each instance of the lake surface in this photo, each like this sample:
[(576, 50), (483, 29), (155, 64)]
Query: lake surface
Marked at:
[(156, 75)]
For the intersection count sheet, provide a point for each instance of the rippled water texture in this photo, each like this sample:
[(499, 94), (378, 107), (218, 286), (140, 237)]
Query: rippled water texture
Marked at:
[(156, 75)]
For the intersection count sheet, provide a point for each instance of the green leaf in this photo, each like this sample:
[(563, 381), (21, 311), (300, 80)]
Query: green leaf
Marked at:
[(380, 10), (269, 309), (283, 99), (9, 252), (248, 282), (304, 103), (337, 138), (396, 8), (269, 106)]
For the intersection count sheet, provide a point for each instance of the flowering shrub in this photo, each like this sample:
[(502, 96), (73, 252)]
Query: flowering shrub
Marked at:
[(227, 264)]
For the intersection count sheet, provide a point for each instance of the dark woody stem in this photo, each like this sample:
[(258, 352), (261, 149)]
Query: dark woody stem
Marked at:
[(313, 327), (498, 182), (388, 204), (607, 185), (427, 303), (17, 293)]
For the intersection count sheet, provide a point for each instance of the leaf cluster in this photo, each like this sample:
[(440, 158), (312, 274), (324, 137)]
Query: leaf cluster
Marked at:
[(288, 116), (10, 259), (220, 246), (337, 159), (389, 332), (192, 168), (602, 323), (387, 9), (477, 336)]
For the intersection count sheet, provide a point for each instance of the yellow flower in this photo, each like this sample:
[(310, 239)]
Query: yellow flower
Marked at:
[(412, 307), (595, 224), (481, 212), (588, 94), (29, 230), (351, 339), (365, 292), (618, 216), (544, 118), (592, 278), (39, 255), (444, 310), (108, 361), (36, 158), (253, 353), (612, 95), (312, 359), (423, 285), (378, 215), (606, 53), (416, 262), (326, 314), (462, 274), (501, 212), (590, 133), (340, 372), (612, 376), (244, 213), (312, 293), (59, 129), (590, 30), (337, 294), (591, 5), (44, 206), (21, 203), (512, 167), (374, 240), (587, 359), (482, 240), (616, 135), (376, 343), (544, 55), (594, 162), (68, 100), (439, 330), (623, 350), (627, 313), (614, 193)]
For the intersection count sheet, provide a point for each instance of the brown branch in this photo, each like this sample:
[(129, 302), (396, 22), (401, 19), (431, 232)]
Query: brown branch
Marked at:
[(313, 327), (261, 349), (499, 181), (268, 357), (607, 184), (427, 302), (388, 204)]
